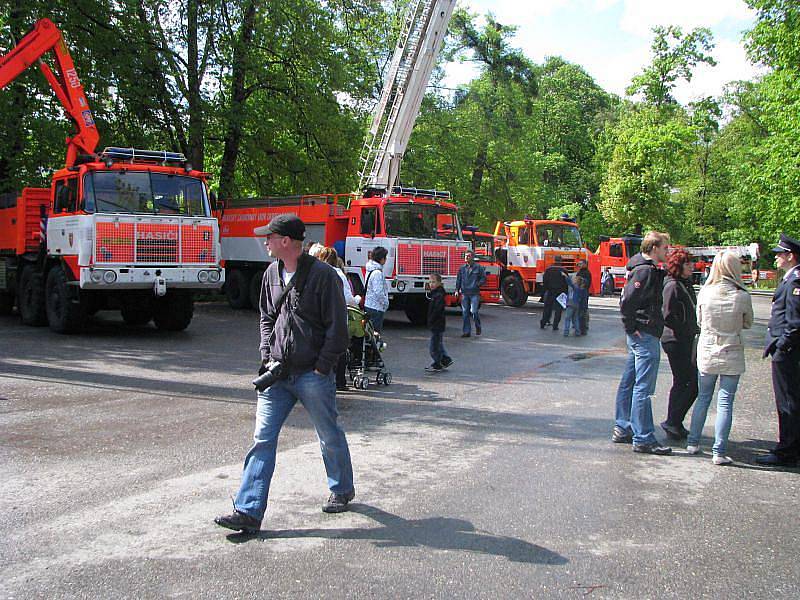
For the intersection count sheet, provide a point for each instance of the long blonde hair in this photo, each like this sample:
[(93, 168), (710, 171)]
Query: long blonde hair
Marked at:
[(726, 267)]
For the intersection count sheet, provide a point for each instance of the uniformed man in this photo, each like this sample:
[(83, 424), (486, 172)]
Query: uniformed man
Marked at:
[(783, 345)]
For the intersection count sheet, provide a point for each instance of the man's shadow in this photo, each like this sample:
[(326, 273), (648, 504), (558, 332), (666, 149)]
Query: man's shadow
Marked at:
[(440, 533)]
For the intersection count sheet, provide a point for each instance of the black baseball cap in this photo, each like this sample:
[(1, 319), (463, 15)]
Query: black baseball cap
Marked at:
[(787, 244), (284, 224)]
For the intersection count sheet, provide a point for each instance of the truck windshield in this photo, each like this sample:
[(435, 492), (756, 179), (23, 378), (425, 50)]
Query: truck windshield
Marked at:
[(421, 221), (562, 236), (143, 192)]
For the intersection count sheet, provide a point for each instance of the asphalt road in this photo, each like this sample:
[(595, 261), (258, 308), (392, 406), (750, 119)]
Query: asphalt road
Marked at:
[(495, 479)]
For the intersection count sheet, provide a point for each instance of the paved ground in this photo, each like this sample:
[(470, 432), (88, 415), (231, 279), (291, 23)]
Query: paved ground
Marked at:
[(496, 479)]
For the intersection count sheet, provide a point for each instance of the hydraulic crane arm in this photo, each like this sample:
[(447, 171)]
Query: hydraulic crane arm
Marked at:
[(421, 37), (45, 37)]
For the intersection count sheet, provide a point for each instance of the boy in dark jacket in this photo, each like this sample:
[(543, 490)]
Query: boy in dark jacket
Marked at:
[(640, 306), (436, 323)]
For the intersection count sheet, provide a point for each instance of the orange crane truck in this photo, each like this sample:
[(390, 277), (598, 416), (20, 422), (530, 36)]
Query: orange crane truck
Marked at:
[(124, 229)]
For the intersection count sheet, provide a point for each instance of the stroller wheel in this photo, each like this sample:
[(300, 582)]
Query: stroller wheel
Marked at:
[(364, 383), (387, 378)]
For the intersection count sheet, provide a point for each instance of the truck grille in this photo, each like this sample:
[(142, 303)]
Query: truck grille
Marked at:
[(136, 242), (424, 259)]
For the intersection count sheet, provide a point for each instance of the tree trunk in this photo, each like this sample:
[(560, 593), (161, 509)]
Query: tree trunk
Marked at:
[(233, 136), (13, 139), (478, 168), (196, 114)]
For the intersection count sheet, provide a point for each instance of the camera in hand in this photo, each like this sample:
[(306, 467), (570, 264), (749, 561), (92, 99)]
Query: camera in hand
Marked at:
[(272, 371)]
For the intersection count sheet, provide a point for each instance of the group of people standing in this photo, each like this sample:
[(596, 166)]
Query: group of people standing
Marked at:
[(702, 337), (566, 293)]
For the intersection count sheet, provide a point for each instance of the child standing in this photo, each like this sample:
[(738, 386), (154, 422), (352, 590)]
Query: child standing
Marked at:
[(436, 323), (578, 297)]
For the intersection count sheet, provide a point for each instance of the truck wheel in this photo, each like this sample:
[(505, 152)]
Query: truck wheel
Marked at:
[(417, 310), (137, 315), (174, 311), (30, 299), (64, 314), (236, 289), (513, 291), (6, 303), (255, 289)]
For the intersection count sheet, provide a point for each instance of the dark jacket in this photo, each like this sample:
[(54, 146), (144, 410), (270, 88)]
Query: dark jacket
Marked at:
[(554, 281), (310, 331), (783, 330), (641, 299), (436, 318), (470, 278), (679, 310), (578, 297), (587, 275)]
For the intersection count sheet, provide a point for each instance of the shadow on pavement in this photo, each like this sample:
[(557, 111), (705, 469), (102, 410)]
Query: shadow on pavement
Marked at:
[(438, 533)]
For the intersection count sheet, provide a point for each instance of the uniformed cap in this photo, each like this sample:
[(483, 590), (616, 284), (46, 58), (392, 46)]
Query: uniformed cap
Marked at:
[(284, 224), (787, 244)]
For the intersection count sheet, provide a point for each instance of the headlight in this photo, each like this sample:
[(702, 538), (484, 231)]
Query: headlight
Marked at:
[(213, 276), (97, 276), (401, 286), (109, 276), (202, 276)]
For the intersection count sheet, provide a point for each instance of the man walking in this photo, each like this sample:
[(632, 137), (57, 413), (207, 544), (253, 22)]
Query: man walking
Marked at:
[(471, 276), (554, 283), (783, 345), (644, 323), (303, 332)]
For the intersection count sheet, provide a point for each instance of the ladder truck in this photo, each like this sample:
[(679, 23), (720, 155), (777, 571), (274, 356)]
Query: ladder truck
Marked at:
[(419, 227), (125, 229)]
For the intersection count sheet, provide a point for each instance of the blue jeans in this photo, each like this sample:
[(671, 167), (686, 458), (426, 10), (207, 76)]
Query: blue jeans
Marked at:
[(470, 304), (722, 427), (634, 409), (438, 353), (571, 319), (318, 394), (376, 318)]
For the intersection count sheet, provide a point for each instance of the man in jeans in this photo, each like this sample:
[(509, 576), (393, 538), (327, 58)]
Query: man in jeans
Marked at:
[(644, 323), (303, 327), (471, 276)]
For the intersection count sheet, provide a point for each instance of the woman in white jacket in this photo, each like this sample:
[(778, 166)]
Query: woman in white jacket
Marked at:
[(724, 308), (376, 300)]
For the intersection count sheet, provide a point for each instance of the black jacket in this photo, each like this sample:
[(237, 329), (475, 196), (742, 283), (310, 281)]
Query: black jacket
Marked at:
[(679, 310), (436, 318), (310, 331), (553, 280), (783, 331), (587, 275), (641, 299)]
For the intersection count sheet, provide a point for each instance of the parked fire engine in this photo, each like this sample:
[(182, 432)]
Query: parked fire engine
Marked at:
[(482, 245), (409, 222), (704, 256), (530, 247), (613, 253), (127, 229)]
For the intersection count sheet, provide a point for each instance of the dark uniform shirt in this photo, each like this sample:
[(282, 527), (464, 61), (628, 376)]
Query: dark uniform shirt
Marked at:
[(783, 331)]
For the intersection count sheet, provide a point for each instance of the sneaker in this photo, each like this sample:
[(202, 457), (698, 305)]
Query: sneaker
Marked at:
[(620, 436), (477, 330), (238, 521), (673, 432), (465, 335), (446, 362), (542, 324), (652, 449), (719, 459), (692, 449), (337, 503), (434, 368)]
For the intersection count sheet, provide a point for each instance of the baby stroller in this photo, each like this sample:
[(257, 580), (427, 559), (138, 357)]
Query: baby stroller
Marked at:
[(364, 355)]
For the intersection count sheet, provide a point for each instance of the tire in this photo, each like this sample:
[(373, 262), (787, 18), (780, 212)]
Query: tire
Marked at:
[(513, 291), (174, 311), (30, 298), (64, 314), (417, 311), (236, 289), (137, 315), (6, 303), (255, 289)]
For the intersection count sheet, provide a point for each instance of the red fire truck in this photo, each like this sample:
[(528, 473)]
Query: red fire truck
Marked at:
[(126, 229), (530, 247), (483, 245), (613, 253), (409, 223)]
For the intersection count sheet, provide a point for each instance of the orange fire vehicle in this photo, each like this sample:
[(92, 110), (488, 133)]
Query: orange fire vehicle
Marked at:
[(530, 247), (126, 229)]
